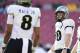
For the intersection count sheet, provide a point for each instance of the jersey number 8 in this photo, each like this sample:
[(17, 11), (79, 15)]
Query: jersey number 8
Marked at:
[(26, 20)]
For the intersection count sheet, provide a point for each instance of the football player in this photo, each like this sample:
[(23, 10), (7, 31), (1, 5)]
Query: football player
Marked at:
[(76, 48), (22, 21), (64, 29)]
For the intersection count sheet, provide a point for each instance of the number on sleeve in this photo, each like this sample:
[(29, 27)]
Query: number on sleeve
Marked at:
[(58, 34), (26, 22)]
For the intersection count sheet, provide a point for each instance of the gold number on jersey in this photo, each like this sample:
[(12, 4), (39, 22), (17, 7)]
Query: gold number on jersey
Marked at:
[(26, 22), (58, 34)]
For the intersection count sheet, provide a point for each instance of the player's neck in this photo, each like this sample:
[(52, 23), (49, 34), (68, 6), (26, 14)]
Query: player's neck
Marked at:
[(59, 20), (25, 4)]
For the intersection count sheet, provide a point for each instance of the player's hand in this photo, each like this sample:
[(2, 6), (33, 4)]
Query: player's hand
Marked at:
[(64, 51), (33, 49), (51, 51), (3, 47)]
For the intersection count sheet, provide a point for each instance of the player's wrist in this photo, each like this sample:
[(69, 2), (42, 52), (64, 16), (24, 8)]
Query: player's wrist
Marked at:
[(35, 44), (4, 45), (34, 47), (67, 49)]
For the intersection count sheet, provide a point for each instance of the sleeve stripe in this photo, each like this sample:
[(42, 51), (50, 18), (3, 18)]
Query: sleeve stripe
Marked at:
[(69, 26)]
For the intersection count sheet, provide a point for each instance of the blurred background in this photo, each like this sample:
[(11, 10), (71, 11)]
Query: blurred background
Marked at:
[(47, 8)]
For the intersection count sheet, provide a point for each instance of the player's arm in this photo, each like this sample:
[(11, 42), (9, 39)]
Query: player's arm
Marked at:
[(7, 33), (68, 40), (74, 50), (37, 33), (37, 29), (69, 30), (10, 15), (36, 36), (67, 43), (9, 28)]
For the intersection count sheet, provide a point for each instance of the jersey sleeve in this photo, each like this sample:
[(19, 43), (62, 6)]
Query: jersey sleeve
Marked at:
[(69, 26), (38, 23), (10, 13), (38, 14), (10, 9), (10, 19)]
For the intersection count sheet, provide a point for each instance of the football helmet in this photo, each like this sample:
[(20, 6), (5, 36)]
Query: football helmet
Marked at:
[(63, 9), (24, 1)]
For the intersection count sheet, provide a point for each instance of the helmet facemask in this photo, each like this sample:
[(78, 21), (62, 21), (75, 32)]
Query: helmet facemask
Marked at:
[(60, 15)]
